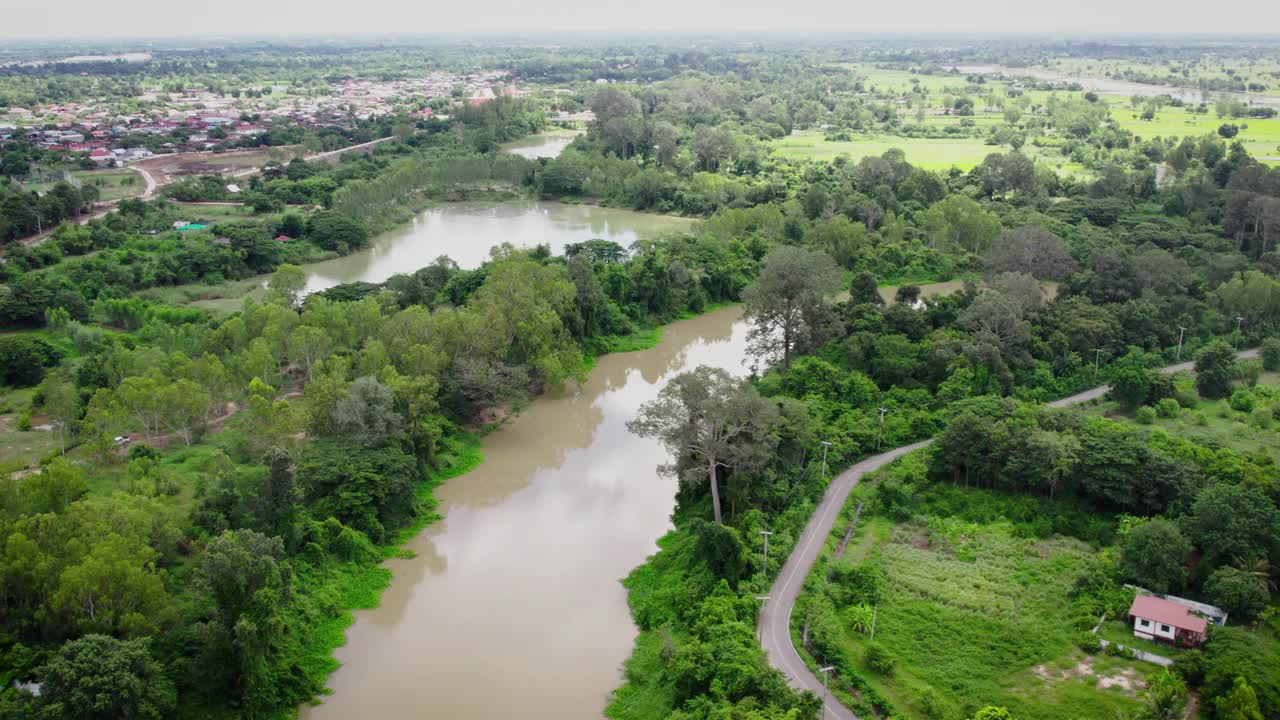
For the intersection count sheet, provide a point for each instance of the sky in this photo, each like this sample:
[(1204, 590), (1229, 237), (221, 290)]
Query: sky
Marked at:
[(174, 18)]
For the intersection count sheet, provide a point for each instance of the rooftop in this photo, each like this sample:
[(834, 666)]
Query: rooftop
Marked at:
[(1168, 613)]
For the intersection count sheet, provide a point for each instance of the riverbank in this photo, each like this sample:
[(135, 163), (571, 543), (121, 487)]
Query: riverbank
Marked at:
[(567, 468)]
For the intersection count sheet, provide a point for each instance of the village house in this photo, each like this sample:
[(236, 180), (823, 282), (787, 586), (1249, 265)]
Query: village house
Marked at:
[(1173, 620)]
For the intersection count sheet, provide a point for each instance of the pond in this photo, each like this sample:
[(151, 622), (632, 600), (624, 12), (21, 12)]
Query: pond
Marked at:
[(467, 231)]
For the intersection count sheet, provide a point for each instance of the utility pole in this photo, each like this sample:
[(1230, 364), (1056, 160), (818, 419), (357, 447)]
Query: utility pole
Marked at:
[(1181, 331), (880, 434), (766, 534), (824, 671), (825, 445), (1097, 358), (1239, 319)]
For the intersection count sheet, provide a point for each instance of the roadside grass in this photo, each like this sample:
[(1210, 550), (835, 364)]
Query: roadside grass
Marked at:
[(975, 611)]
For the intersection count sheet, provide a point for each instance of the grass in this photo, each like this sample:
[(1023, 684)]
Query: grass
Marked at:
[(213, 213), (1120, 632), (1261, 136), (932, 154), (1212, 422), (113, 183), (974, 614)]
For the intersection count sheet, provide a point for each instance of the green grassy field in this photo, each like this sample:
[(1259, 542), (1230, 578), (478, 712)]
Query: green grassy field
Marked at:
[(975, 615), (932, 154), (1261, 137), (112, 183), (963, 153), (1214, 423), (212, 213)]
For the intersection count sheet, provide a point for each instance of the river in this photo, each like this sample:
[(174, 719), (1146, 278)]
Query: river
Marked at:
[(543, 145), (467, 231), (512, 606)]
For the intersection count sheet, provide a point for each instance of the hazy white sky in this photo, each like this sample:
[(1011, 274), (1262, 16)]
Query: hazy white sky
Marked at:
[(134, 18)]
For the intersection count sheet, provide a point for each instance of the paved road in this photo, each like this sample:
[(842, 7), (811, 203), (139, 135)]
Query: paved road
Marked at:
[(774, 629)]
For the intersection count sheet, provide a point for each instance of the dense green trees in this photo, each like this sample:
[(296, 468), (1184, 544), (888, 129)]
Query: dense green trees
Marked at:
[(24, 358), (97, 677), (787, 304)]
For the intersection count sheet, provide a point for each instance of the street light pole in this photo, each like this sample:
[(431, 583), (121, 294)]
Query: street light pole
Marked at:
[(765, 563), (1097, 359), (825, 445), (880, 434), (1181, 331), (1239, 319), (824, 672)]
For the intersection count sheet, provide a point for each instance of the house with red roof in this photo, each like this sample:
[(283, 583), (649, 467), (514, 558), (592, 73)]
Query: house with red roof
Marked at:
[(1164, 620)]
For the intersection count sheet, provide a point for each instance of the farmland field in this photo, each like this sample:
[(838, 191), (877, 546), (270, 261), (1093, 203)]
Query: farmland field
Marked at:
[(934, 154), (963, 153)]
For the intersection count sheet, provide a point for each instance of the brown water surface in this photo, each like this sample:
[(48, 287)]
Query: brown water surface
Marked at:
[(512, 607)]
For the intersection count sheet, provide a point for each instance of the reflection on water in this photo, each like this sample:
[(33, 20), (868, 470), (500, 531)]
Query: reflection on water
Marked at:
[(466, 232), (512, 606)]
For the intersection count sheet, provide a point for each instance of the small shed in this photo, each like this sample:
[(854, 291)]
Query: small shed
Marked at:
[(1162, 620), (221, 241)]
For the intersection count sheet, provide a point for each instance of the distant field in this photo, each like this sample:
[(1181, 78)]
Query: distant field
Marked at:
[(1261, 137), (932, 154), (112, 183), (963, 153)]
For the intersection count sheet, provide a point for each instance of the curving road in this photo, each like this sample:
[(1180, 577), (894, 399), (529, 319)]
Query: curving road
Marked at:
[(774, 629)]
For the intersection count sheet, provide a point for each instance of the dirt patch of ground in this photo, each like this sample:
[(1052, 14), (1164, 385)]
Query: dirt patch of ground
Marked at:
[(1127, 679)]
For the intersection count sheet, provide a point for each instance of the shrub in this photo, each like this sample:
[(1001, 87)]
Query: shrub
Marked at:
[(1242, 400), (1089, 642), (1145, 415), (1120, 651), (878, 660), (1261, 417), (24, 421), (1168, 408), (1200, 419), (23, 359), (1240, 593), (1271, 354)]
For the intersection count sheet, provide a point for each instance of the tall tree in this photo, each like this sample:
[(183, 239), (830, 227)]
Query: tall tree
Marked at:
[(787, 304), (97, 677), (709, 415), (1215, 369)]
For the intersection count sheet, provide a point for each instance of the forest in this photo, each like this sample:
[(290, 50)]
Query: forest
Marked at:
[(219, 490)]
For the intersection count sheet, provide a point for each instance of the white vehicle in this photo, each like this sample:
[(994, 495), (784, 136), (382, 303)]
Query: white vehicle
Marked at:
[(122, 440)]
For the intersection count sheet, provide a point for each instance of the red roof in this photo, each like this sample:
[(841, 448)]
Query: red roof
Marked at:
[(1168, 613)]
